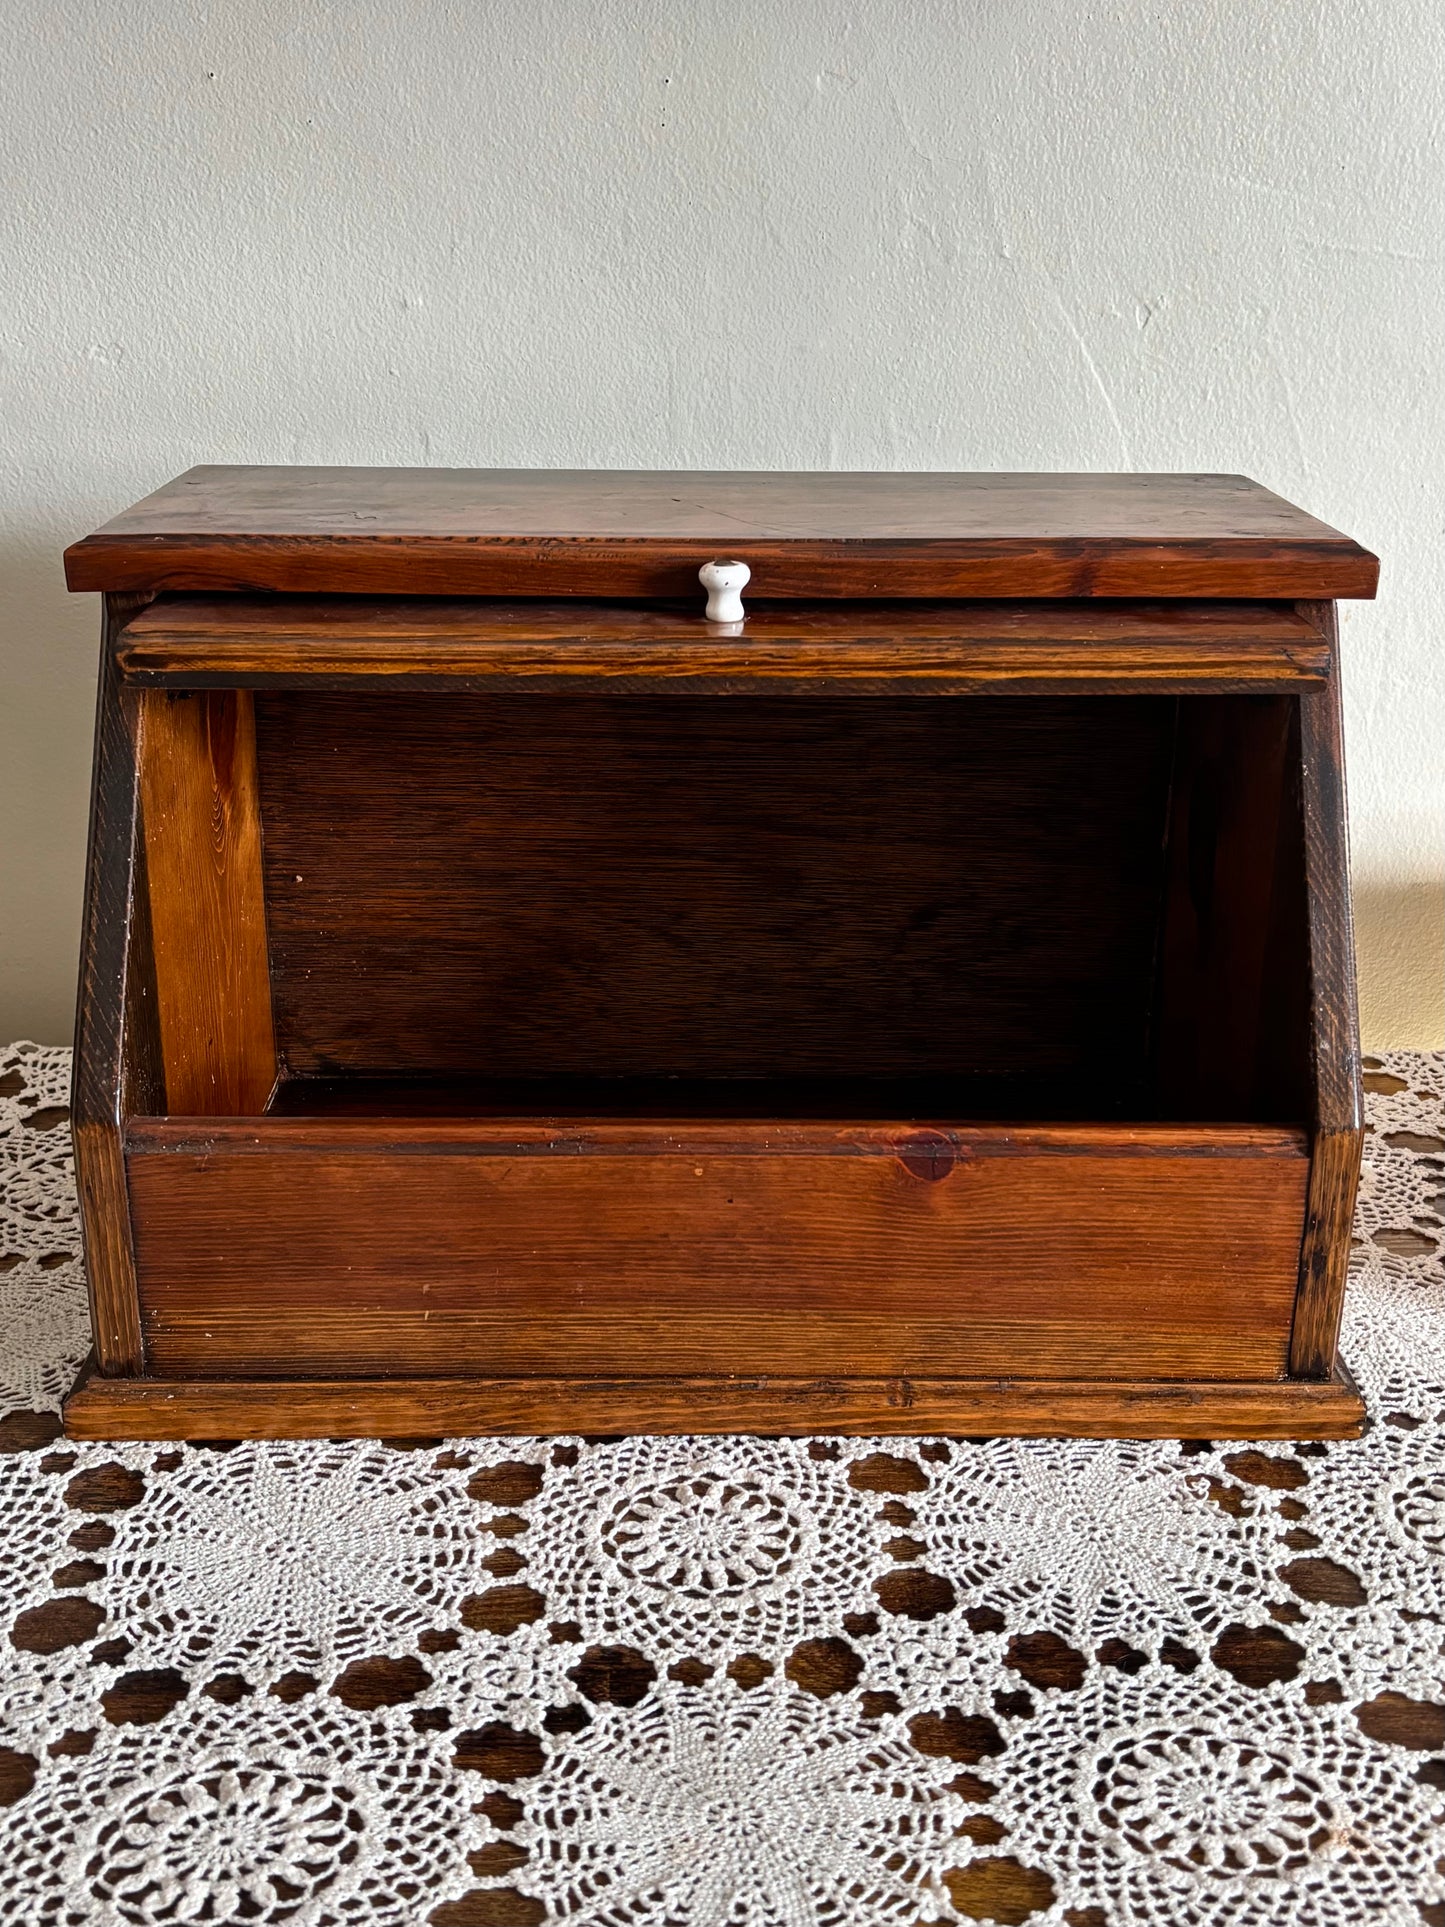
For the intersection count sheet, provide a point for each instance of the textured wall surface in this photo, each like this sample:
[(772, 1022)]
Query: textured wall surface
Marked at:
[(524, 232)]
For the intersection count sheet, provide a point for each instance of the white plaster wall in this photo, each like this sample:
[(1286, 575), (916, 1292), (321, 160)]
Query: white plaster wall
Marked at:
[(786, 234)]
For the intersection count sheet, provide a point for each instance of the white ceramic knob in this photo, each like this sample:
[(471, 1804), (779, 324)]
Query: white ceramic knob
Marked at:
[(724, 582)]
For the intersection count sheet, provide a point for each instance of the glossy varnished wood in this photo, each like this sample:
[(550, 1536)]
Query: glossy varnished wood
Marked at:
[(662, 1246), (539, 1060), (556, 885), (202, 829), (608, 533), (403, 1407), (925, 648)]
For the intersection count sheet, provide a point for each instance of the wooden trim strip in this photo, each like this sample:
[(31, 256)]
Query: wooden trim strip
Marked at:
[(769, 1137), (484, 669), (109, 1408)]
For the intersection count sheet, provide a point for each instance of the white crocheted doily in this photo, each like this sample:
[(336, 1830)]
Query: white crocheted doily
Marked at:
[(726, 1682)]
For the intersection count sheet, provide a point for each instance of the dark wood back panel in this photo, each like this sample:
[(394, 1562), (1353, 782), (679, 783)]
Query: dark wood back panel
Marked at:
[(1232, 1034), (522, 886)]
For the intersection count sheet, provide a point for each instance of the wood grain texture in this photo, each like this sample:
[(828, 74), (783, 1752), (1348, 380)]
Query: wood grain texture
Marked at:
[(1334, 1029), (317, 1246), (849, 648), (615, 533), (202, 828), (784, 1405), (115, 1034), (538, 886)]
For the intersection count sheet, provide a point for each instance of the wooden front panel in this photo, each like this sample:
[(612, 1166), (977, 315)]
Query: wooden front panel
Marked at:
[(688, 888), (291, 1247), (783, 648)]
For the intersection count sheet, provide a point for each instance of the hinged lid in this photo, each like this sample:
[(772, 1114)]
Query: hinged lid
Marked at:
[(599, 533)]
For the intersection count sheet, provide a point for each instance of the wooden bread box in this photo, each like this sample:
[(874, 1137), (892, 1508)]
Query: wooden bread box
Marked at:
[(514, 1002)]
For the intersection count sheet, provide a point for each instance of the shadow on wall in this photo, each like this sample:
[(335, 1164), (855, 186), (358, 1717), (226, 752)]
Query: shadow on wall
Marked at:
[(49, 645), (1400, 944)]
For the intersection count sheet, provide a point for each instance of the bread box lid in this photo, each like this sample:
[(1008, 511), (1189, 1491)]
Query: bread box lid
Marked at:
[(629, 534)]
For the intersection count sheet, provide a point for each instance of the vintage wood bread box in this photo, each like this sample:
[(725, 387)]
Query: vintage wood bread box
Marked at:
[(515, 1001)]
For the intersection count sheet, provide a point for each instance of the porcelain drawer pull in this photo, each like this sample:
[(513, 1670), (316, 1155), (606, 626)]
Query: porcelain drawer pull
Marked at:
[(724, 582)]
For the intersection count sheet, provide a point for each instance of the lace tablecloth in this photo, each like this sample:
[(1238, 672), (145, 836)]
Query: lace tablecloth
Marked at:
[(726, 1682)]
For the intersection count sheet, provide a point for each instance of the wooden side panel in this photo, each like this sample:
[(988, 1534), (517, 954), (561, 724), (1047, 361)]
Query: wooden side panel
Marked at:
[(1222, 1031), (289, 1247), (202, 827), (790, 1406), (116, 1041), (567, 886), (1334, 1028)]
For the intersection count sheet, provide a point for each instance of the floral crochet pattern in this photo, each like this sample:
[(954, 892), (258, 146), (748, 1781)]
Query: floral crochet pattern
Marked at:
[(741, 1810), (726, 1682), (271, 1561), (316, 1816), (1181, 1804), (1089, 1534), (699, 1547)]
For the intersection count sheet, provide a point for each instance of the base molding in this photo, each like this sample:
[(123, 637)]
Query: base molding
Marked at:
[(150, 1408)]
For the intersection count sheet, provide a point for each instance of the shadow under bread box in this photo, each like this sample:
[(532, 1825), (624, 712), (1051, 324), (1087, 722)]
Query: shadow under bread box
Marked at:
[(513, 1002)]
